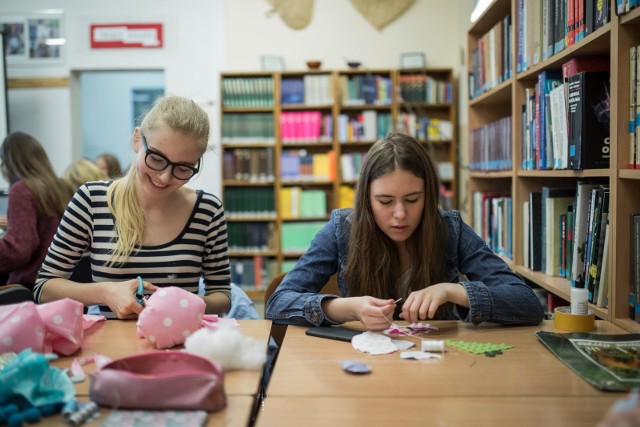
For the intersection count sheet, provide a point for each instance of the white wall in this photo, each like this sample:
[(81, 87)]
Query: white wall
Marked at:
[(205, 37)]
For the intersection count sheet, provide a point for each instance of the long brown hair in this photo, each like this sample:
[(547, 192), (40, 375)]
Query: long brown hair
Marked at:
[(373, 264), (25, 160)]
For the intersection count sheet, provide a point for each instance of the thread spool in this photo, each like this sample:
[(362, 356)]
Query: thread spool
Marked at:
[(433, 346)]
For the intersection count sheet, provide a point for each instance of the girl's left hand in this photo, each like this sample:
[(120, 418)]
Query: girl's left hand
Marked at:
[(423, 304)]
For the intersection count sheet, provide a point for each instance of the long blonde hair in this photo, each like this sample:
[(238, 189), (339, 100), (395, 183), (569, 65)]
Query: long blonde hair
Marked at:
[(373, 263), (181, 115), (84, 170), (25, 160)]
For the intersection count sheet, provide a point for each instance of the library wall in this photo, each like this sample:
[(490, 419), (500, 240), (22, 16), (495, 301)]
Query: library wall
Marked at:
[(230, 36)]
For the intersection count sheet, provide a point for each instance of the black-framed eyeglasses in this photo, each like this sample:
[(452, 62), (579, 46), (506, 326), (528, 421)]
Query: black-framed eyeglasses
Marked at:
[(158, 162)]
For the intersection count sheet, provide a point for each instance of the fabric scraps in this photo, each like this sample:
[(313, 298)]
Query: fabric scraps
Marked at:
[(478, 347), (29, 376), (373, 343), (419, 355), (412, 330), (355, 367), (57, 326), (403, 344)]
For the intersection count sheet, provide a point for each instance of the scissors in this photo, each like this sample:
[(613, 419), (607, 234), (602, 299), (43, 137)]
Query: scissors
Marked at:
[(140, 292)]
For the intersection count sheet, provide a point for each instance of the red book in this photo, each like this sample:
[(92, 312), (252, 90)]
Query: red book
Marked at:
[(585, 63)]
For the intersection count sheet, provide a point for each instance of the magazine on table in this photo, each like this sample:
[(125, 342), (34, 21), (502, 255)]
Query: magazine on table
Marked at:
[(607, 362)]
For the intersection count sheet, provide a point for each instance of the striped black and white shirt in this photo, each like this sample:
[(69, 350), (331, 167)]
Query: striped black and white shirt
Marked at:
[(201, 249)]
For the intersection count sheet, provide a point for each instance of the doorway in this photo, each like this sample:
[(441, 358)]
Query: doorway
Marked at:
[(110, 105)]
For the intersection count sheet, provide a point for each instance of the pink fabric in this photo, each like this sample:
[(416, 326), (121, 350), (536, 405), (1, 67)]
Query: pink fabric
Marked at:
[(53, 327), (170, 315)]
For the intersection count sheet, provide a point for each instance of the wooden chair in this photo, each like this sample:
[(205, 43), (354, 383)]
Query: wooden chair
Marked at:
[(278, 331)]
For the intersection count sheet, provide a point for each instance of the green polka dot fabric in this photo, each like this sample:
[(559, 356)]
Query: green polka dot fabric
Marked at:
[(478, 347)]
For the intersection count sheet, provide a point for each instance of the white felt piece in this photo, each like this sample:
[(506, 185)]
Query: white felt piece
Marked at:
[(402, 344), (373, 343), (419, 355)]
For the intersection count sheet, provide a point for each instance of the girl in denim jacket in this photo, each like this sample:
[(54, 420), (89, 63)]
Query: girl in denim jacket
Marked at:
[(396, 243)]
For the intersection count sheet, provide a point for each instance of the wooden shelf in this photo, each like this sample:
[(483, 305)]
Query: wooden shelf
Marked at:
[(614, 40), (443, 151)]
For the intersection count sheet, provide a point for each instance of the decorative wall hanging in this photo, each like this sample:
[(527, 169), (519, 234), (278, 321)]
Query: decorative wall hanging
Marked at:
[(382, 12), (295, 13)]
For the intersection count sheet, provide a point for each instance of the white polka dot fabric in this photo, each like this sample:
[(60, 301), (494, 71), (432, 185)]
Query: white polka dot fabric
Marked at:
[(53, 327), (170, 315)]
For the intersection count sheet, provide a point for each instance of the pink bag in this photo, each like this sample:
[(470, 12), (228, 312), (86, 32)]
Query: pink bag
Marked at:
[(162, 380)]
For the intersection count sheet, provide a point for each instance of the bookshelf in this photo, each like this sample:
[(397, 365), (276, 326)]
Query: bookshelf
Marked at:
[(293, 143), (503, 97)]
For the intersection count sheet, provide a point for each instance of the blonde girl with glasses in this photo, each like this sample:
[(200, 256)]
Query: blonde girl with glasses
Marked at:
[(147, 223)]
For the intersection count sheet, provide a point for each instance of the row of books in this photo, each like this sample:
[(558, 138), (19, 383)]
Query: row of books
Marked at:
[(247, 127), (311, 89), (253, 273), (566, 235), (296, 202), (368, 126), (490, 146), (492, 220), (565, 117), (346, 196), (248, 164), (302, 165), (306, 127), (491, 58), (249, 202), (634, 108), (624, 6), (445, 197), (365, 89), (351, 164), (634, 288), (423, 88), (425, 128), (296, 236), (247, 92), (547, 27), (251, 236)]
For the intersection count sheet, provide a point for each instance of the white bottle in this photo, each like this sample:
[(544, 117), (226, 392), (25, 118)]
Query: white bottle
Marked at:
[(579, 301)]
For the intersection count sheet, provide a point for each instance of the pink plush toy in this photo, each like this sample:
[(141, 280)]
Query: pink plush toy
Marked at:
[(170, 315)]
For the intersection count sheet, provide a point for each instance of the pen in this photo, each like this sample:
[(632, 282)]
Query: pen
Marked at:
[(140, 292)]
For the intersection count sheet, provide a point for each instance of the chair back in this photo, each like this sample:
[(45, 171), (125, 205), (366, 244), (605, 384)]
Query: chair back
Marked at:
[(278, 331)]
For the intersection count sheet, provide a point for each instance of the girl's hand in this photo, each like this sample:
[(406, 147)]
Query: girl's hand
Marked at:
[(375, 314), (3, 221), (423, 304), (121, 298)]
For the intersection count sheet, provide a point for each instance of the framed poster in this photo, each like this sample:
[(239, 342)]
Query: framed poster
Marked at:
[(413, 60), (33, 39), (271, 63)]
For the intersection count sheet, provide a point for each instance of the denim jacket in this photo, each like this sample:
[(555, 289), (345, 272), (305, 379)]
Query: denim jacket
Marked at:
[(496, 294)]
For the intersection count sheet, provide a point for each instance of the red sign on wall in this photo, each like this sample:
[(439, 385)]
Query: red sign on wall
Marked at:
[(114, 36)]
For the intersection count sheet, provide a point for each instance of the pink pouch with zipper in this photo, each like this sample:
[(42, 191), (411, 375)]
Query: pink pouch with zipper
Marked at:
[(162, 380)]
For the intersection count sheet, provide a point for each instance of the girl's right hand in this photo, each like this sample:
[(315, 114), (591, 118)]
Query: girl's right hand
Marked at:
[(121, 298), (374, 313)]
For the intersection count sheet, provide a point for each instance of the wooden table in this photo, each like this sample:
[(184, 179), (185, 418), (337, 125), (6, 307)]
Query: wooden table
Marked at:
[(118, 338), (464, 389)]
